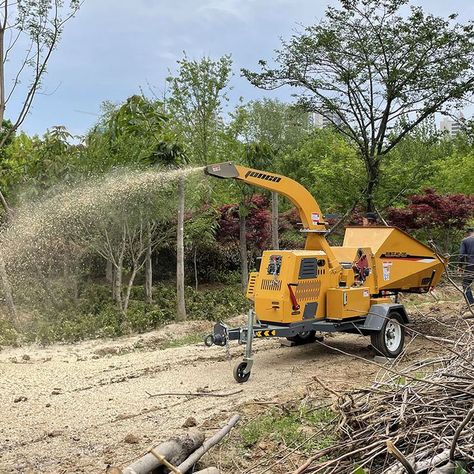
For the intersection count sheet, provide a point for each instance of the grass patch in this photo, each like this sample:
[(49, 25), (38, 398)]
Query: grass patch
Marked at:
[(183, 341), (290, 428)]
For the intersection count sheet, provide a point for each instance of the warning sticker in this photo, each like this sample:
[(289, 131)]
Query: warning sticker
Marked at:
[(386, 270), (315, 218)]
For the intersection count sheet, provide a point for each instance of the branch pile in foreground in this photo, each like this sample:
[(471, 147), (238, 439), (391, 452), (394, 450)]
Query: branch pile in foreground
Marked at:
[(408, 423)]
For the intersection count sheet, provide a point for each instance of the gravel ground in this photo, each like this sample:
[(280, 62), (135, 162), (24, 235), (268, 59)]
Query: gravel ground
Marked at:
[(78, 408)]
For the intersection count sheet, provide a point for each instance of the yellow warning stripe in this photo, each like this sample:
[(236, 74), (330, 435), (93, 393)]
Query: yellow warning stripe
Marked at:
[(266, 333)]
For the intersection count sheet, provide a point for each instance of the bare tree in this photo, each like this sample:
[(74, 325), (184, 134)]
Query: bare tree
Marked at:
[(128, 245), (30, 31)]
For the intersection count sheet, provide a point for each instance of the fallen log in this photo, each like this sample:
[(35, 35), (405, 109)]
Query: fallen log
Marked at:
[(207, 445), (174, 452)]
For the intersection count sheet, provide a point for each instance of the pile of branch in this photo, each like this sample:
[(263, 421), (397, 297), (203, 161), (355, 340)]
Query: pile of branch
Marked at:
[(409, 422)]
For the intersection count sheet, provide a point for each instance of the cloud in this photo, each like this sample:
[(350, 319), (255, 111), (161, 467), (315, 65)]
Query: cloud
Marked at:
[(234, 8)]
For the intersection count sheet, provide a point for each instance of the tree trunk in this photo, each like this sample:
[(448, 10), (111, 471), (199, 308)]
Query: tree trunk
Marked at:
[(181, 305), (275, 237), (2, 80), (148, 269), (118, 282), (109, 272), (118, 262), (243, 246), (207, 445), (196, 282), (114, 277), (126, 299), (373, 171), (7, 291)]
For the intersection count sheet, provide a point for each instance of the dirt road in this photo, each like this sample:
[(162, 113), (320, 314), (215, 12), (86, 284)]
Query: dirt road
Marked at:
[(81, 401)]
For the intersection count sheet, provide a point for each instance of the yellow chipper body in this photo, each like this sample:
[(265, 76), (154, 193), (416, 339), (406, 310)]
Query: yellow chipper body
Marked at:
[(352, 288)]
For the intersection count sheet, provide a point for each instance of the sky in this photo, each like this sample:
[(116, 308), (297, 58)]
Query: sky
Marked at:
[(113, 49)]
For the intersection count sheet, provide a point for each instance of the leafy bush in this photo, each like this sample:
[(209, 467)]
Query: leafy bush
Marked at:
[(8, 334), (97, 316)]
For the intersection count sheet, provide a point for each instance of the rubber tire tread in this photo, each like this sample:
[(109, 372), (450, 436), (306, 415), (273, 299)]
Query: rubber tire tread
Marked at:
[(238, 373), (378, 339), (303, 340)]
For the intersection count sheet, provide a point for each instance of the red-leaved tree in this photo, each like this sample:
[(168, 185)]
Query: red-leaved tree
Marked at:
[(258, 225), (436, 217)]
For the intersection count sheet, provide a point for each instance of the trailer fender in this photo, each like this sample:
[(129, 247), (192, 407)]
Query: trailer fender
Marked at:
[(378, 314)]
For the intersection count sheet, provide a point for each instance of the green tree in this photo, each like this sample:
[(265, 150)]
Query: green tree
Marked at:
[(409, 167), (195, 102), (38, 24), (368, 66), (197, 93), (272, 122), (30, 31), (137, 133), (453, 173), (268, 128), (200, 236), (328, 166)]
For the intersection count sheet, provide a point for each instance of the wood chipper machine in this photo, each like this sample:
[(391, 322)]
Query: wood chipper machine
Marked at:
[(352, 288)]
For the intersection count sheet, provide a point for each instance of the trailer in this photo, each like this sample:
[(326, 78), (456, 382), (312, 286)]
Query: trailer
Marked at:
[(351, 288)]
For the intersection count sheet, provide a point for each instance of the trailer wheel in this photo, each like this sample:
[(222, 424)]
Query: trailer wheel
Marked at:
[(389, 341), (303, 337), (239, 375)]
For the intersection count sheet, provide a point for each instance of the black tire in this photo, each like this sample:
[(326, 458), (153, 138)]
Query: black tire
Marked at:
[(239, 375), (389, 341), (209, 340), (305, 337)]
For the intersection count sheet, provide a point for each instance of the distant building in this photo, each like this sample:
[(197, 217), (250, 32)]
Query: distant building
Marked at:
[(320, 121), (452, 126)]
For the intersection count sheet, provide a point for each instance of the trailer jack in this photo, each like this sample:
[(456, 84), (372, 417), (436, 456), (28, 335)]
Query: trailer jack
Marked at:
[(242, 369)]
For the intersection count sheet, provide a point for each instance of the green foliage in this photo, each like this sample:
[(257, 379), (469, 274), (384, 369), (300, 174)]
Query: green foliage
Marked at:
[(460, 468), (8, 334), (271, 122), (328, 167), (95, 315), (410, 165), (190, 339), (375, 71), (453, 174), (197, 92), (135, 133), (291, 428), (359, 470)]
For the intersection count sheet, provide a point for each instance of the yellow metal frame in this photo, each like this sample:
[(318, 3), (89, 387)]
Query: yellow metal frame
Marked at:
[(395, 261), (302, 199)]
